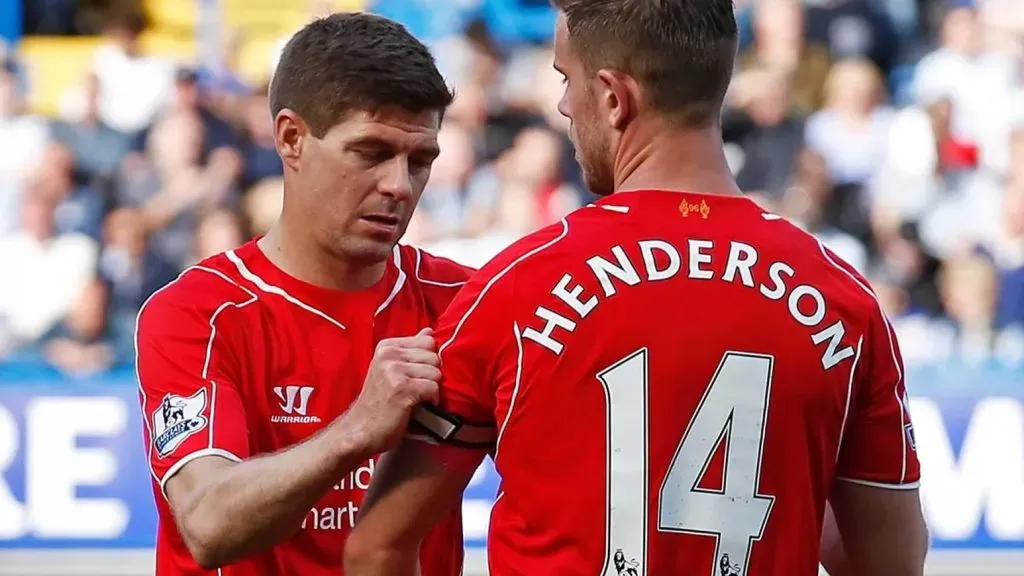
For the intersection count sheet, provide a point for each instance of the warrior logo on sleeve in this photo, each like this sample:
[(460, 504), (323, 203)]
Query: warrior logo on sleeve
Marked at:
[(176, 419)]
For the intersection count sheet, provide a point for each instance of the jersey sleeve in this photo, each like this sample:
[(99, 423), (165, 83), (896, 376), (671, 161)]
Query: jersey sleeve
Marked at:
[(471, 335), (189, 374), (878, 446), (474, 335)]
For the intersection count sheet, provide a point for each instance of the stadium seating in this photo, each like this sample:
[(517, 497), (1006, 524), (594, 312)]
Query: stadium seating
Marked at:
[(56, 64)]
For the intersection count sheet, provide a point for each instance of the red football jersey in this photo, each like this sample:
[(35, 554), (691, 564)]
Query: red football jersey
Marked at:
[(236, 358), (676, 380)]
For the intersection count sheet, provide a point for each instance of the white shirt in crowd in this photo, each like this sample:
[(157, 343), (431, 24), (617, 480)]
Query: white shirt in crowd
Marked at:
[(40, 281), (23, 141), (132, 89)]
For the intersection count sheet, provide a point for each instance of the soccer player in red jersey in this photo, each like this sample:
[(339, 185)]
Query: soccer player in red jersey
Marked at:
[(677, 381), (260, 434)]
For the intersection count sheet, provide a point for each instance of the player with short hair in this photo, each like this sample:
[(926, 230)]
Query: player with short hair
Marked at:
[(261, 435), (675, 380)]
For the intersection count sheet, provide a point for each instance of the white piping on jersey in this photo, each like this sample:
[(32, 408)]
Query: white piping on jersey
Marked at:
[(498, 276), (515, 389), (849, 396), (194, 456), (271, 289), (611, 208), (770, 216), (398, 283), (206, 362), (911, 486), (431, 282), (892, 352)]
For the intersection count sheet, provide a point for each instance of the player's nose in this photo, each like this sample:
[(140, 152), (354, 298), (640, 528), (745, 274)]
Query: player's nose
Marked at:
[(396, 181)]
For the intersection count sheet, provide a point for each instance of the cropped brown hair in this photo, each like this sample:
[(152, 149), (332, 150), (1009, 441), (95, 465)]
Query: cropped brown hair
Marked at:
[(355, 61), (681, 51)]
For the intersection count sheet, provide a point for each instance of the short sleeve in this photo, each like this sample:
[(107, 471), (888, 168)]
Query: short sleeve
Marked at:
[(472, 335), (189, 377), (878, 446)]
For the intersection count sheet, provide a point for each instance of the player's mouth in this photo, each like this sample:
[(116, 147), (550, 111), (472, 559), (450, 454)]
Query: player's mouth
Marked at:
[(385, 223)]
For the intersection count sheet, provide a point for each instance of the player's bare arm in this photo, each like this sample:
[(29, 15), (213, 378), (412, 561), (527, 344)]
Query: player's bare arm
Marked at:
[(227, 510), (415, 485), (882, 532)]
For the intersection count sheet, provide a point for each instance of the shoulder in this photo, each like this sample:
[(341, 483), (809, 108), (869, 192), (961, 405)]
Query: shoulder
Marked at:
[(821, 266), (527, 257), (849, 285), (426, 268), (193, 299), (436, 279), (529, 250)]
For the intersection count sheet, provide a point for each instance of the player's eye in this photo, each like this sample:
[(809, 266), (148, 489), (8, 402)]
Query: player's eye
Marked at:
[(419, 164), (374, 155)]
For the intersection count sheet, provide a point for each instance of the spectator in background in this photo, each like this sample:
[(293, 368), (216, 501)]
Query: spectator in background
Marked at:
[(520, 192), (218, 231), (920, 180), (172, 188), (440, 211), (52, 271), (259, 156), (219, 136), (221, 80), (765, 137), (133, 86), (78, 345), (95, 147), (853, 29), (969, 287), (851, 131), (23, 139), (1016, 170), (806, 202), (780, 44), (532, 165), (979, 83), (263, 203), (80, 207), (131, 271), (1010, 257)]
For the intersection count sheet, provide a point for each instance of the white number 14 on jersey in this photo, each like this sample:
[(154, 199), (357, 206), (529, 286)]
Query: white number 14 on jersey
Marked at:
[(734, 409)]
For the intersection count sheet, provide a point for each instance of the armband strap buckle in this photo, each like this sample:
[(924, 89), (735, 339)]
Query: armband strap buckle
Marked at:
[(451, 429)]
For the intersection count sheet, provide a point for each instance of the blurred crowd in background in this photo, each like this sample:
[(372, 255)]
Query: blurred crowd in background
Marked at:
[(136, 140)]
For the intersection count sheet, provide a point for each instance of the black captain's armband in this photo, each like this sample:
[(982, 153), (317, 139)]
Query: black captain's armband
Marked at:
[(446, 428)]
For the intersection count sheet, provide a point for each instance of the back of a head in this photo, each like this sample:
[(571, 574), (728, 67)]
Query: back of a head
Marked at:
[(355, 62), (680, 51)]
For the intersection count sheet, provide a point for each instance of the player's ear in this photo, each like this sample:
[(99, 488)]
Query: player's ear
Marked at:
[(290, 131), (619, 97)]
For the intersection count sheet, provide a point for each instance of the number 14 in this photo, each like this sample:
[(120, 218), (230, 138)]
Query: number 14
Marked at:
[(734, 409)]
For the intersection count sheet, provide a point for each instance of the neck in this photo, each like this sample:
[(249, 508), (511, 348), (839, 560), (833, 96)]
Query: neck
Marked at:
[(682, 160), (298, 254)]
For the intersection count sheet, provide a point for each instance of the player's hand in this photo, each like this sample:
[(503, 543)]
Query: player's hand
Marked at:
[(403, 374)]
